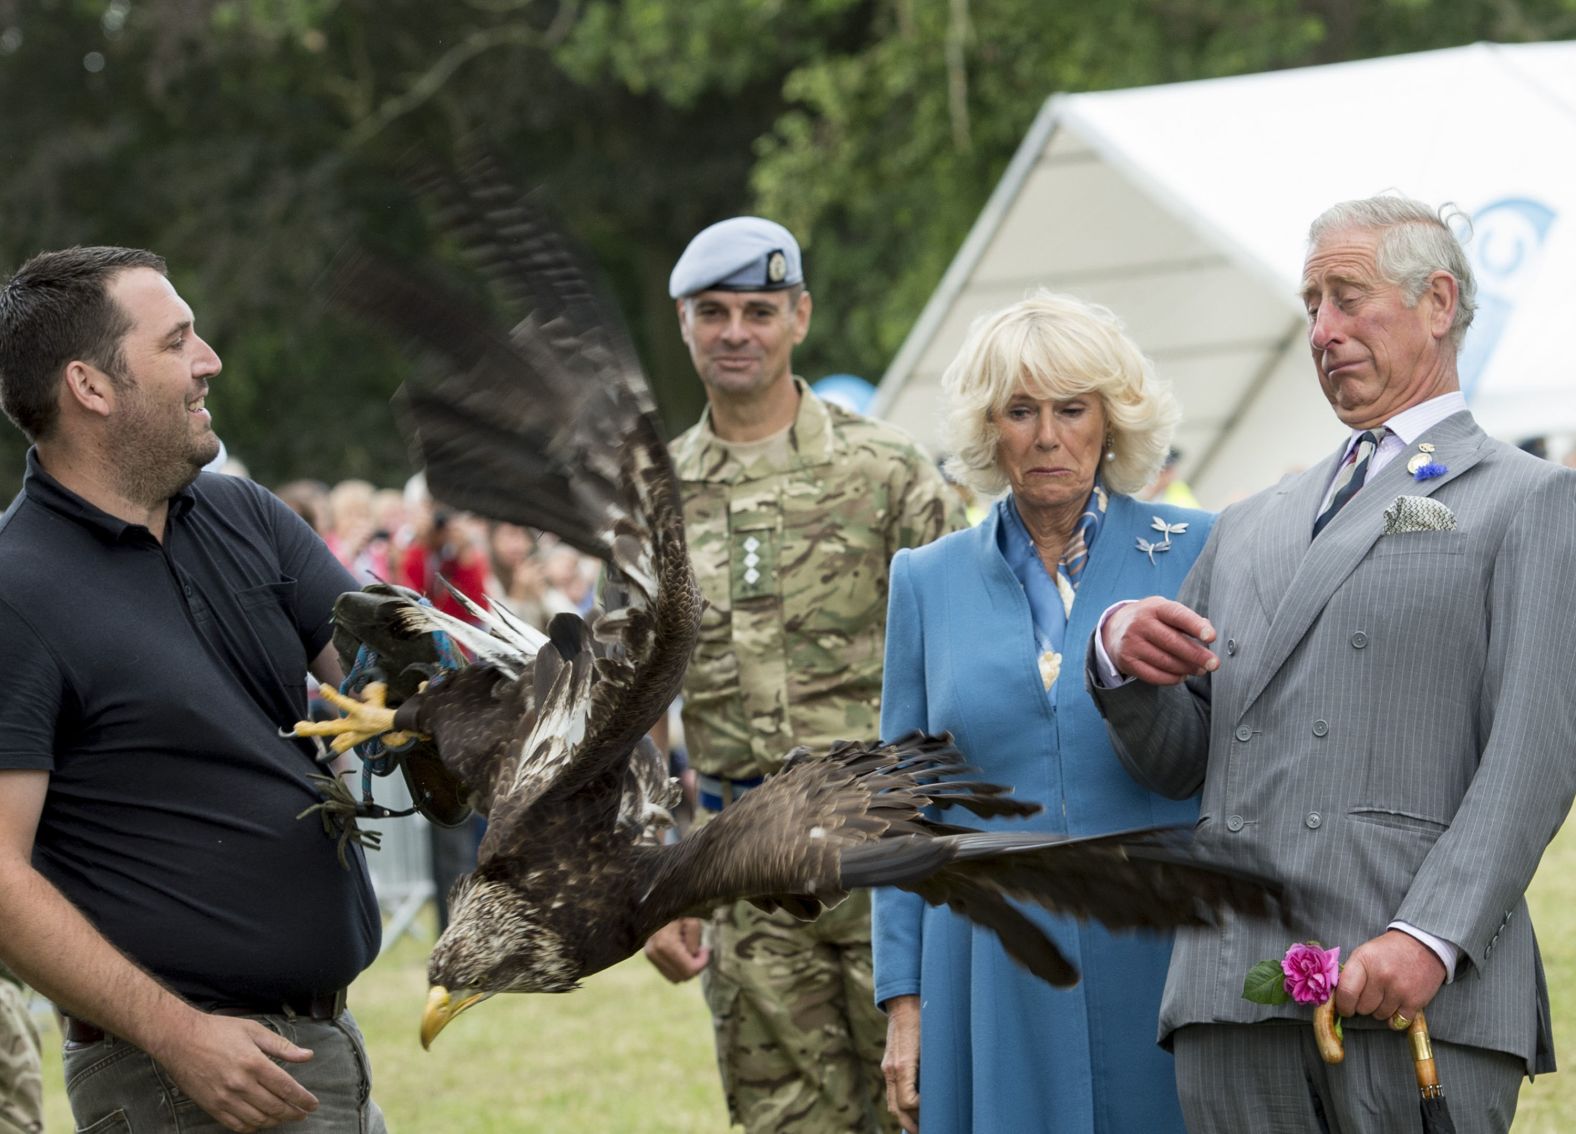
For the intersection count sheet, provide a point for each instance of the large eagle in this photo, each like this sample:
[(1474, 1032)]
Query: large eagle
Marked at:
[(552, 425)]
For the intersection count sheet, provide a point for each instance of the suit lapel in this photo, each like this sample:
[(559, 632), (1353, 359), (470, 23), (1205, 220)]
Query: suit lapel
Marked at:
[(1347, 539), (1281, 544), (1116, 568), (1011, 661)]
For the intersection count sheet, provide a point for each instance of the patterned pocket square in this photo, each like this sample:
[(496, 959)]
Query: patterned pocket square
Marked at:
[(1418, 514)]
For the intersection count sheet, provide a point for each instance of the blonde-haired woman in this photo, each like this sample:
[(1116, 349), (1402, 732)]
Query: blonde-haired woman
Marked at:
[(1051, 403)]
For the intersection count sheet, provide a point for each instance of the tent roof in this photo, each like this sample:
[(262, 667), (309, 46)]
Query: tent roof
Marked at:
[(1184, 208)]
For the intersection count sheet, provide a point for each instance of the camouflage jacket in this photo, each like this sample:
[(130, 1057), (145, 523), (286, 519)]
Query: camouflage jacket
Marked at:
[(792, 557)]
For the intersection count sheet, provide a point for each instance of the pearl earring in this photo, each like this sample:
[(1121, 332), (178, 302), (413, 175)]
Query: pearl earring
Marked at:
[(1110, 448)]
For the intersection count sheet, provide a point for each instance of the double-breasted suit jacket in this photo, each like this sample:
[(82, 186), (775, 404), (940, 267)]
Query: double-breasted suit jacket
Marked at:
[(1391, 731)]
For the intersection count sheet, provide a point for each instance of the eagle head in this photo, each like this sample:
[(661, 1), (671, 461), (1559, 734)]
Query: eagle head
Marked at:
[(497, 941)]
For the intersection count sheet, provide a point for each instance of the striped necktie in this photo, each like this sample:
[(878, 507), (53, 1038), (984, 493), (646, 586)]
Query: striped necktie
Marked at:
[(1350, 478)]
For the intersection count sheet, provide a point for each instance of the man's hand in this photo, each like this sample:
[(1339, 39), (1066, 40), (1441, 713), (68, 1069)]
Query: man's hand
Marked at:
[(1395, 972), (225, 1064), (677, 951), (900, 1064), (1159, 641)]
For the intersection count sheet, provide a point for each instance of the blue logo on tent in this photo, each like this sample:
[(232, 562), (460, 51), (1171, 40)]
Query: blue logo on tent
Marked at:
[(1506, 248), (848, 390)]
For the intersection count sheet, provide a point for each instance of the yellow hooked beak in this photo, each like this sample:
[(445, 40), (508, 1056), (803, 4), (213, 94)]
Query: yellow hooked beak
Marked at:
[(441, 1008)]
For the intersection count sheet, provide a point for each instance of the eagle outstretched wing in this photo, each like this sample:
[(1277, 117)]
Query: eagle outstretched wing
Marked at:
[(551, 425), (862, 816)]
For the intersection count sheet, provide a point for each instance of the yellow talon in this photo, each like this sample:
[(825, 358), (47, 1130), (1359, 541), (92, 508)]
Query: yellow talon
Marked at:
[(366, 719)]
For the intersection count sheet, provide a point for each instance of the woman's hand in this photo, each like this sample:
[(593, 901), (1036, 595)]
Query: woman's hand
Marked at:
[(900, 1065)]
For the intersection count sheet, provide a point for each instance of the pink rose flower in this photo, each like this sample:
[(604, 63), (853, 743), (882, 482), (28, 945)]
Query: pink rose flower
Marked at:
[(1311, 972)]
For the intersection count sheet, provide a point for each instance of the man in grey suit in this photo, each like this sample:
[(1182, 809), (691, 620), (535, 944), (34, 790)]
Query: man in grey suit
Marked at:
[(1366, 672)]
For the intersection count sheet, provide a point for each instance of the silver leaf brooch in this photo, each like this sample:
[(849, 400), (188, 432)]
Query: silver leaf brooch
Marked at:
[(1151, 547)]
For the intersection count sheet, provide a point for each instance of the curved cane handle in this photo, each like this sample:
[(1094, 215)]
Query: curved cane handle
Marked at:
[(1331, 1049)]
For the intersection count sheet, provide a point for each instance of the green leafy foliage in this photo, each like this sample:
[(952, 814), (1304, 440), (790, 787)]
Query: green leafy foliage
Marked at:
[(248, 140)]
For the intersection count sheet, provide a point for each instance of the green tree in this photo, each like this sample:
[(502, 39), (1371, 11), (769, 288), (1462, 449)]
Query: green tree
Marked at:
[(890, 147), (249, 140)]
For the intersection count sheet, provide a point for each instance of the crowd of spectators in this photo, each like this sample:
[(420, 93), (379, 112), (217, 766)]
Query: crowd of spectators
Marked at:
[(407, 538), (402, 536)]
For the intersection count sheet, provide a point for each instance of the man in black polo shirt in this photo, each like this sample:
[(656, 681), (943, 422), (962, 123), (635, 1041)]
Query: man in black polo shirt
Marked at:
[(156, 626)]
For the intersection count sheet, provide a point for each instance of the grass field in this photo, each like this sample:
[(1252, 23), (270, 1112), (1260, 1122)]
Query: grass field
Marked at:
[(627, 1053), (632, 1054)]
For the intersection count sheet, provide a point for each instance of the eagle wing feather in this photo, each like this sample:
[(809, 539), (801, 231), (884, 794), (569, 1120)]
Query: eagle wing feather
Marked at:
[(551, 426)]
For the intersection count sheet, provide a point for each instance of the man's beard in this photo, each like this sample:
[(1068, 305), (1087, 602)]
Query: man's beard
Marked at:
[(156, 457)]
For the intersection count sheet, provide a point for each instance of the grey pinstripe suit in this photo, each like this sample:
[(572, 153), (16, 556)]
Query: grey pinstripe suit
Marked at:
[(1391, 731)]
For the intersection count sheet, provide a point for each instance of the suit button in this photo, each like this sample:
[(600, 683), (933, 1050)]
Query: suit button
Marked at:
[(1244, 733), (1234, 823), (1359, 640), (1313, 820), (1321, 728), (1231, 645)]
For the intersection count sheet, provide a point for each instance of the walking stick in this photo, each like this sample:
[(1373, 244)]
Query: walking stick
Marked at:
[(1435, 1111)]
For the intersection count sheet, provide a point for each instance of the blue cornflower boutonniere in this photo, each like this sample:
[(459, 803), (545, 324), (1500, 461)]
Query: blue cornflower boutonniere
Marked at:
[(1151, 547), (1422, 466)]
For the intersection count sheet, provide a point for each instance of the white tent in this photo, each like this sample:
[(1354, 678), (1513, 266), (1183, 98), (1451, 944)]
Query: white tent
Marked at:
[(1184, 208)]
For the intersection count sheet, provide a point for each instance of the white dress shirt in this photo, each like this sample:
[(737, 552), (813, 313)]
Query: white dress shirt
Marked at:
[(1404, 429)]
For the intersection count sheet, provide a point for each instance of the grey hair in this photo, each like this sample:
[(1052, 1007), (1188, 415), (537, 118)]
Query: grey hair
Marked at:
[(1054, 346), (1415, 241)]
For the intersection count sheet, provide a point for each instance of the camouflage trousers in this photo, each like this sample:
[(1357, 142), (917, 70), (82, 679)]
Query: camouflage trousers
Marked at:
[(21, 1087), (799, 1038)]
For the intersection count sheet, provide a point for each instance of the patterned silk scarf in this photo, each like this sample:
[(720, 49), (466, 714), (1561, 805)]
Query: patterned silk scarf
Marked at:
[(1050, 596)]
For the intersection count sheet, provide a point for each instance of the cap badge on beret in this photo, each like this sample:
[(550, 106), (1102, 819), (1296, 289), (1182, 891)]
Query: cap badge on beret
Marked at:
[(738, 254)]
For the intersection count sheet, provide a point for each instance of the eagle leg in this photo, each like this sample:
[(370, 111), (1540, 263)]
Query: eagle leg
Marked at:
[(366, 718)]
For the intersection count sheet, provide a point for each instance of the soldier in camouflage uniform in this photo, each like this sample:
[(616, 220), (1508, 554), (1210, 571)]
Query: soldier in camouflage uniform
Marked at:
[(793, 510), (21, 1088)]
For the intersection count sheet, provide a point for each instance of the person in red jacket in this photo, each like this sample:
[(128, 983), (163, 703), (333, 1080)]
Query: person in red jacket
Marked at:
[(444, 549)]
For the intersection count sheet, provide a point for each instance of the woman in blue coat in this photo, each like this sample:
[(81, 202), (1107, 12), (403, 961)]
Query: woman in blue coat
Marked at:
[(987, 631)]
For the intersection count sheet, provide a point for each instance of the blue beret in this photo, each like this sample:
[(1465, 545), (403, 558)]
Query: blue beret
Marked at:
[(739, 254)]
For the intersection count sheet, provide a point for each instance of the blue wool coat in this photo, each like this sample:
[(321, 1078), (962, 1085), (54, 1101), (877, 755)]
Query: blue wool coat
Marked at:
[(1001, 1050)]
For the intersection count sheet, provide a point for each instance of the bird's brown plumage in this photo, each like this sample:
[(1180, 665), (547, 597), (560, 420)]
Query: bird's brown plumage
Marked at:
[(552, 425)]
